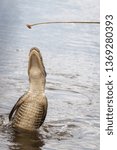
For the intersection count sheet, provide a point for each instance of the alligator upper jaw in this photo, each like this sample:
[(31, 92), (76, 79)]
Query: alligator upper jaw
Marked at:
[(35, 65)]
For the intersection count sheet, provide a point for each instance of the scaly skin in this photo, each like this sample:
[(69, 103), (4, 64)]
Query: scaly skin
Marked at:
[(31, 108)]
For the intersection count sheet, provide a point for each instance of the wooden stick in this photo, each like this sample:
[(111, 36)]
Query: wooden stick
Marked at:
[(54, 22)]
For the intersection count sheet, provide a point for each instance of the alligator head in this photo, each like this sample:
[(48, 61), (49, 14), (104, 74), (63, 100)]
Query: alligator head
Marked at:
[(36, 71)]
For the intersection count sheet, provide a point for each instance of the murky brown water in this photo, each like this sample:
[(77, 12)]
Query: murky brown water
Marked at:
[(71, 58)]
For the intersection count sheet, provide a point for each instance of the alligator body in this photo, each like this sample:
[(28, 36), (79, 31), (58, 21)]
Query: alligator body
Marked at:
[(30, 110)]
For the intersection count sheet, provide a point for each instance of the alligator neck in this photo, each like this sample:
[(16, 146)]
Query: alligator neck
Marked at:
[(37, 87)]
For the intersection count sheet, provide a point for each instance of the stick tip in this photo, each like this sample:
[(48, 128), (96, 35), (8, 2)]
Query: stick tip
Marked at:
[(29, 26)]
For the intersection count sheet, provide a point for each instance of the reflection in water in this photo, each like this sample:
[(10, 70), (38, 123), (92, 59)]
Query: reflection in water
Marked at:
[(26, 141), (20, 139), (23, 140)]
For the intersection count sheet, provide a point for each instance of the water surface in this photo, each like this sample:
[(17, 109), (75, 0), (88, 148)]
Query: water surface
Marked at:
[(71, 58)]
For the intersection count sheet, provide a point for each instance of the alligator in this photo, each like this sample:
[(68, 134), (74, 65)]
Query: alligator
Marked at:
[(30, 110)]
